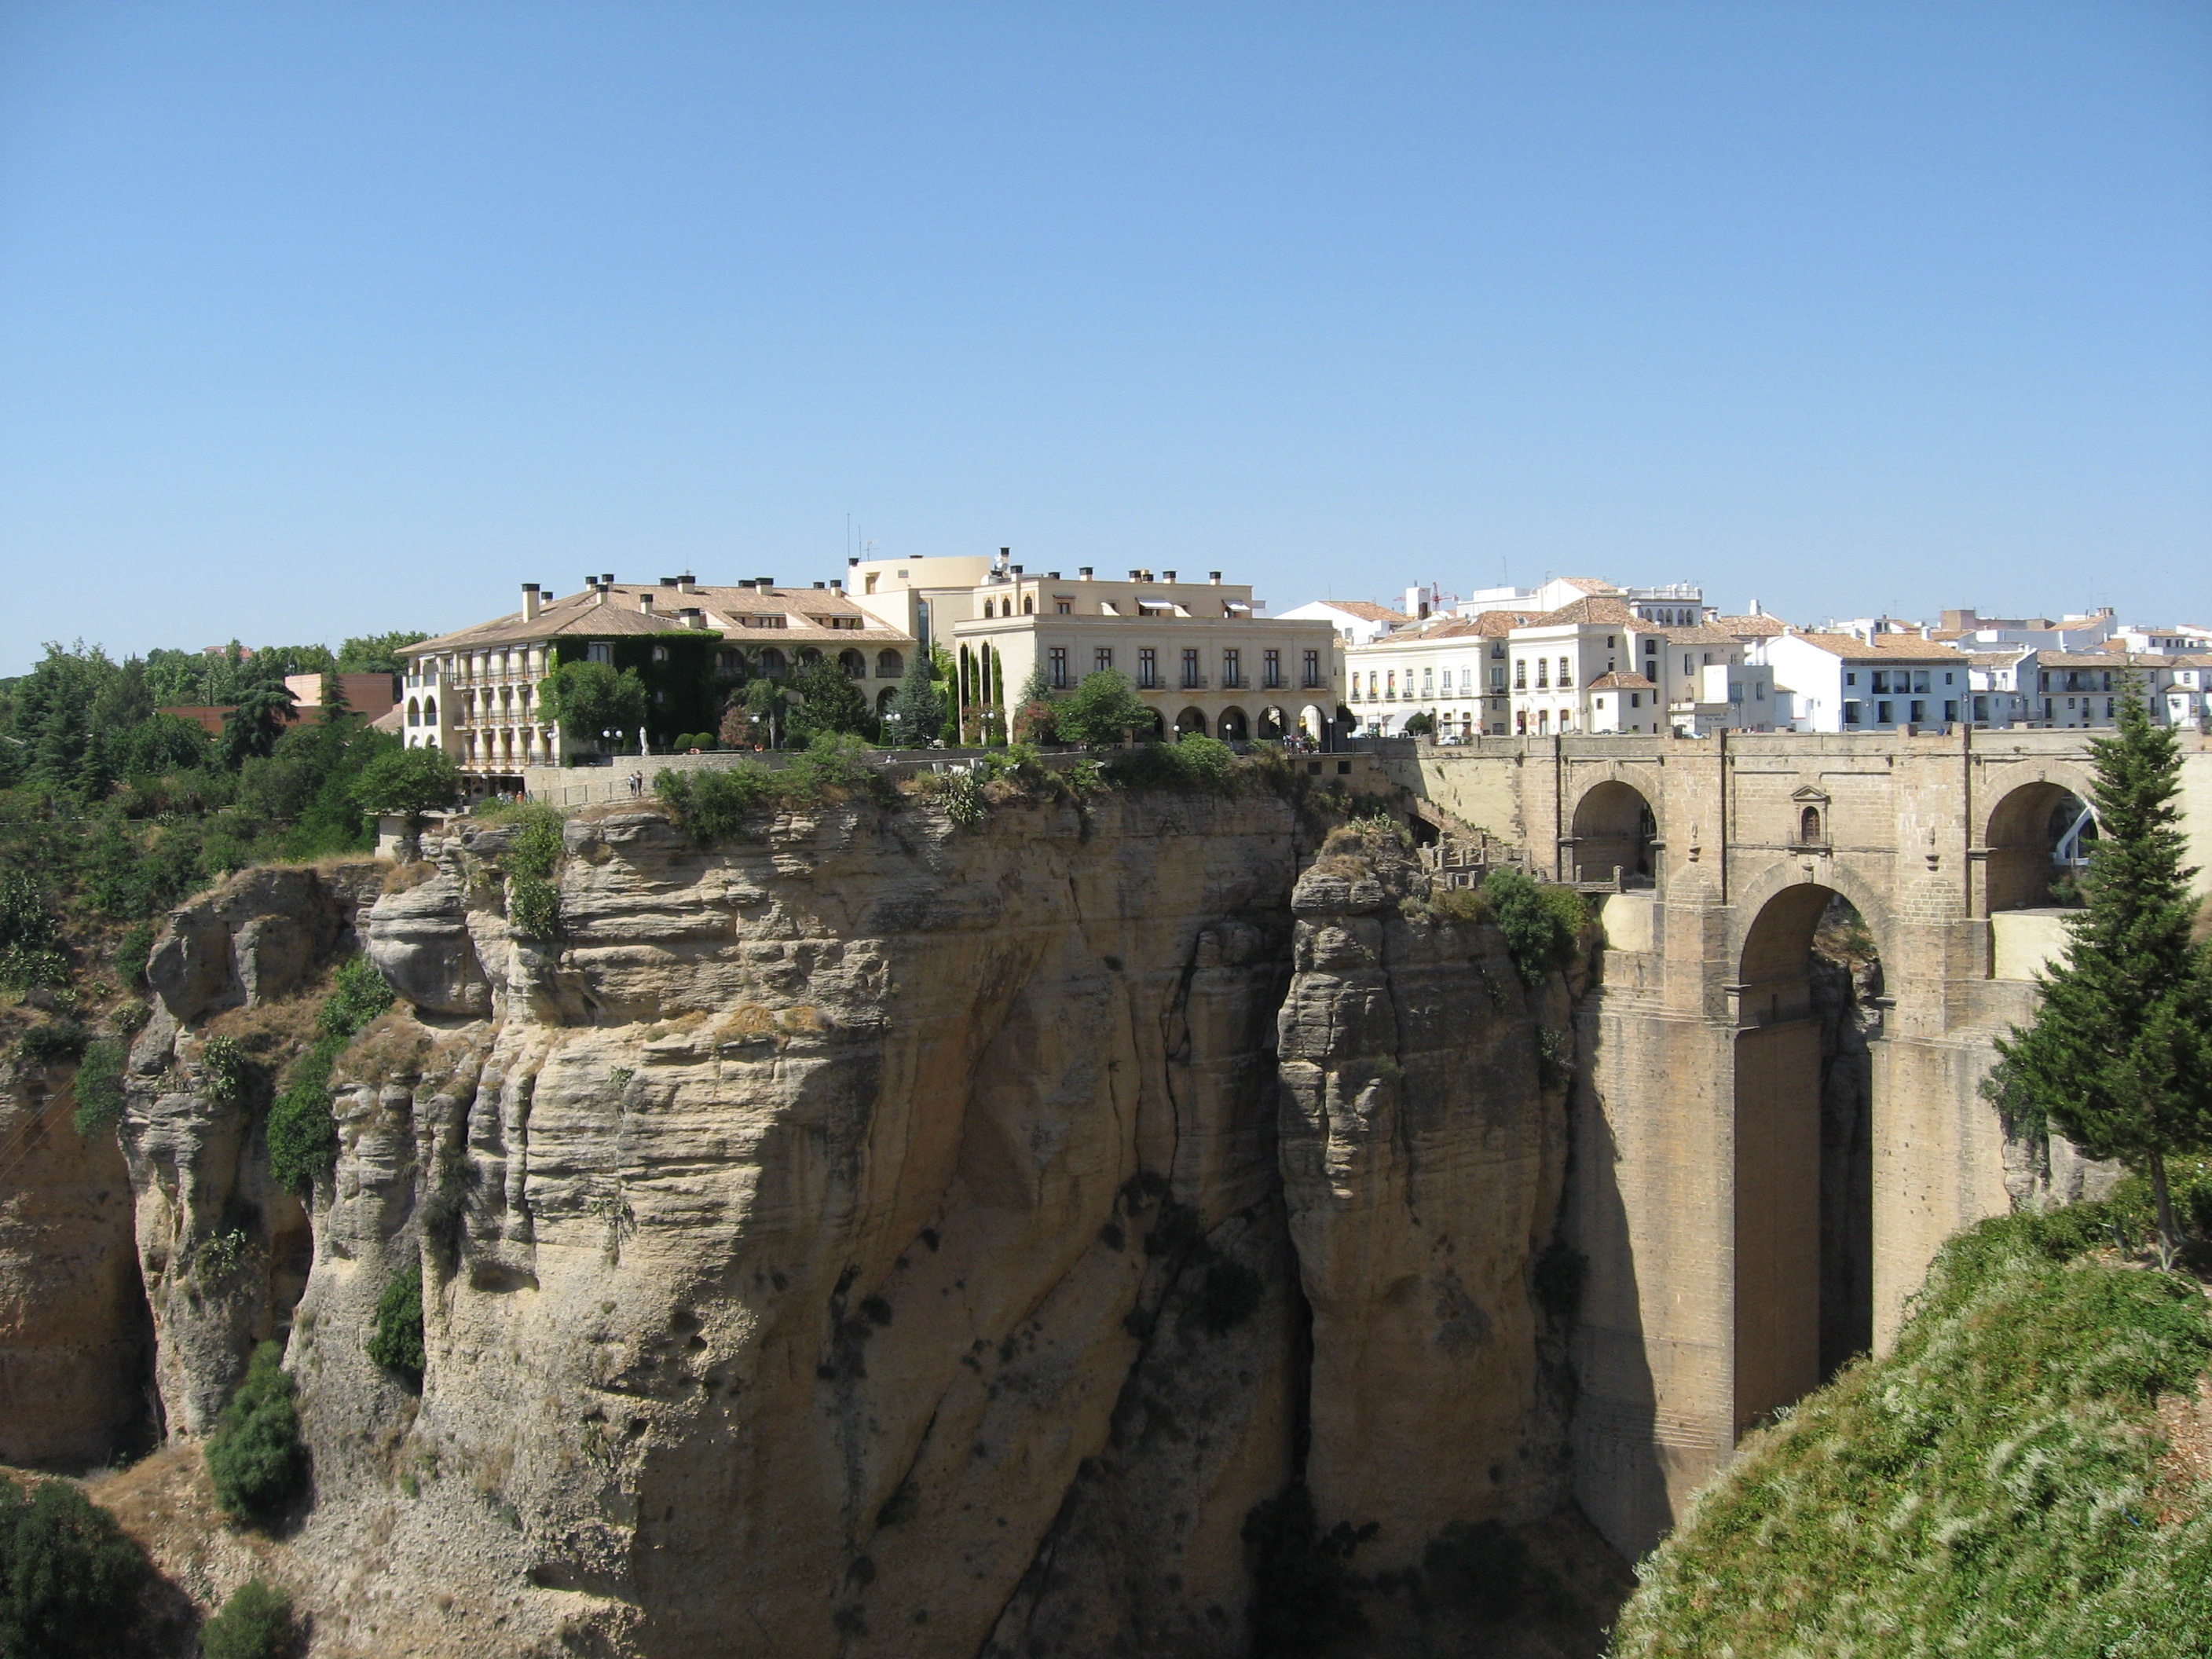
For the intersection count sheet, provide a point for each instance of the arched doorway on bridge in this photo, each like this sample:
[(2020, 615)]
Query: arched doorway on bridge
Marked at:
[(1615, 827), (1809, 1001), (2039, 839)]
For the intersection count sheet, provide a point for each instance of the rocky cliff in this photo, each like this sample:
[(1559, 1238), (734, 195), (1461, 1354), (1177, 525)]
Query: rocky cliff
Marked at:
[(878, 1237)]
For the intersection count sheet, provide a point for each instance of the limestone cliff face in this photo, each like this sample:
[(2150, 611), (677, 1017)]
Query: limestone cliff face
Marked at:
[(866, 1240), (1423, 1157), (75, 1344), (222, 1250), (879, 1237)]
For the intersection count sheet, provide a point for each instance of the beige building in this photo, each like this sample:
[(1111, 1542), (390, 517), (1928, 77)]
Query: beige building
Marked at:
[(474, 692), (1199, 654)]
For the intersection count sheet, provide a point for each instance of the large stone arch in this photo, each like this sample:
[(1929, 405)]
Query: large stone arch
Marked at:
[(1803, 1202), (2015, 837), (1755, 889)]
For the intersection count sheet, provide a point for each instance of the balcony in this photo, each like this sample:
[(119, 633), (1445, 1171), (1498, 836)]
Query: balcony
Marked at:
[(1195, 682)]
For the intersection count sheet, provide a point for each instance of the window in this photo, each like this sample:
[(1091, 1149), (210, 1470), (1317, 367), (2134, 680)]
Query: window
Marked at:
[(1191, 677), (1313, 668), (1148, 666), (1850, 679), (1882, 715), (1057, 666), (1950, 709), (413, 712), (1102, 659), (1949, 679), (1063, 607), (1498, 651), (890, 665), (1521, 673), (1232, 668), (1636, 700), (1920, 681), (1390, 684), (1543, 673), (1370, 685), (1566, 673), (1919, 711), (1498, 679), (600, 651), (1686, 663), (1808, 827), (1428, 682), (1850, 714), (660, 653), (1271, 667), (1029, 605)]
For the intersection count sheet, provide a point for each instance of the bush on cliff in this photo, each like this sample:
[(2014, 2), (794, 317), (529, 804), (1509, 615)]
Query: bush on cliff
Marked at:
[(1542, 923), (397, 1342), (1303, 1595), (1995, 1486), (70, 1581), (1203, 764), (255, 1457), (303, 1136), (256, 1623), (100, 1088)]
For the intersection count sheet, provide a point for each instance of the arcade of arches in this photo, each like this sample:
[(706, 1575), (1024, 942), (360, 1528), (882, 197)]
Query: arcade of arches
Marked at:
[(1812, 946)]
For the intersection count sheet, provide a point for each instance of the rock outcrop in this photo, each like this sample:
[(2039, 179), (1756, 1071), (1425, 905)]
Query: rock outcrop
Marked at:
[(1423, 1158), (883, 1236)]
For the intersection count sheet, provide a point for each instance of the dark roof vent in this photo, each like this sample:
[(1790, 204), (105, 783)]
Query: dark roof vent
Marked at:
[(822, 585), (1167, 575)]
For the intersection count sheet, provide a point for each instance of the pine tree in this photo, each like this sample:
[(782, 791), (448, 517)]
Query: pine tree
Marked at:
[(2119, 1056), (917, 711)]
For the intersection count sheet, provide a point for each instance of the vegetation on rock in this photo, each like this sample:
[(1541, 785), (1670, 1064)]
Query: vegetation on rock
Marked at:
[(255, 1457), (397, 1342), (1542, 923), (70, 1581), (2119, 1056), (1303, 1598), (256, 1623), (1994, 1488), (303, 1136)]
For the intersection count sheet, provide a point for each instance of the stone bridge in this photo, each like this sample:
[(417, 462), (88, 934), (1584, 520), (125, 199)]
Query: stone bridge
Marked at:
[(1746, 1234)]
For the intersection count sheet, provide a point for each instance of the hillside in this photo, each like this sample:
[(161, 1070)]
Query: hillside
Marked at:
[(2025, 1475)]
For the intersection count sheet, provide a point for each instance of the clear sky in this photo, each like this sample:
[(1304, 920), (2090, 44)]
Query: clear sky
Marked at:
[(319, 319)]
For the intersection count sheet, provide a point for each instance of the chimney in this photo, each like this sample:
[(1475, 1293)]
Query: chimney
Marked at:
[(1167, 576), (852, 561), (1213, 576), (645, 603), (1017, 570), (607, 580), (691, 616), (1083, 572), (764, 583), (836, 584), (688, 582), (670, 581), (530, 602), (821, 585), (1136, 575)]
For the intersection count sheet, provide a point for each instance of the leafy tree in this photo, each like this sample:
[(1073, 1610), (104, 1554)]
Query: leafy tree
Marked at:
[(2119, 1056), (255, 1456), (829, 702), (1103, 710), (1542, 925), (70, 1582), (409, 783), (1421, 724), (916, 717), (588, 698), (765, 702), (256, 1623), (377, 654), (253, 724)]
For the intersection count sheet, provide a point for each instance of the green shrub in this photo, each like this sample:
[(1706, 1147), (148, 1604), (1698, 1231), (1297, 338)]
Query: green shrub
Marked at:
[(962, 798), (57, 1039), (132, 951), (835, 766), (397, 1342), (1541, 924), (100, 1088), (713, 805), (537, 846), (533, 907), (255, 1456), (70, 1582), (302, 1132), (358, 994), (224, 1064), (1203, 764), (1991, 1487), (256, 1623), (1303, 1596), (27, 967)]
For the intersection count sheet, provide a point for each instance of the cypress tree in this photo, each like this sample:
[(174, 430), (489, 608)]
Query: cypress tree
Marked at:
[(917, 711), (2119, 1056)]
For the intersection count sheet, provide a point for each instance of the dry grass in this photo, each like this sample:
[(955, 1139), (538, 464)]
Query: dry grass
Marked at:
[(393, 1047), (402, 876), (273, 1030), (167, 1504)]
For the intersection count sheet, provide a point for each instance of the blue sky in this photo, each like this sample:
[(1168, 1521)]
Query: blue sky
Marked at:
[(321, 320)]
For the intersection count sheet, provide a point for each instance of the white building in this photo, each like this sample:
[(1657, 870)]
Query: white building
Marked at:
[(1357, 622), (1453, 669), (1676, 604), (1838, 682)]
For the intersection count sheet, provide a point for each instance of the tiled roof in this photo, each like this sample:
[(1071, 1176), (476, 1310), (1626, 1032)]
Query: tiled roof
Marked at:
[(580, 615), (1617, 681), (1909, 647), (1754, 627), (1700, 635), (1591, 584), (1595, 609)]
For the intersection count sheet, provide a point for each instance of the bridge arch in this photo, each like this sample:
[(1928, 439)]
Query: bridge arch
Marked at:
[(1615, 826), (1804, 1101), (2020, 833)]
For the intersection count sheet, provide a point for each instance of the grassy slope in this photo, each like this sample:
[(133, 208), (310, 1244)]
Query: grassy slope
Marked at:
[(2001, 1485)]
